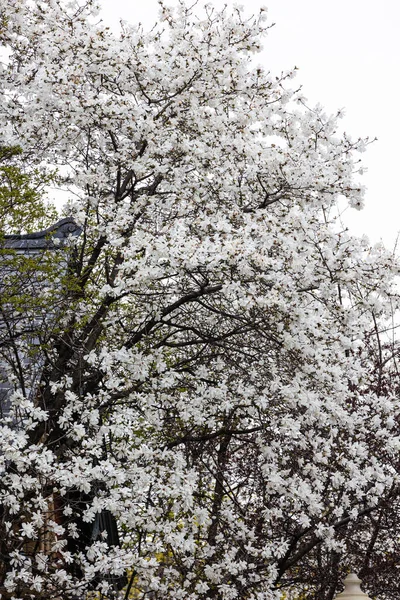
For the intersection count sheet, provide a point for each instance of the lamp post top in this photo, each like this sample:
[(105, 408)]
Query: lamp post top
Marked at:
[(352, 590)]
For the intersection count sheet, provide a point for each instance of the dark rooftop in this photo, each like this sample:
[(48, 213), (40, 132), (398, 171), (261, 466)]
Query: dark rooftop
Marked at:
[(46, 239)]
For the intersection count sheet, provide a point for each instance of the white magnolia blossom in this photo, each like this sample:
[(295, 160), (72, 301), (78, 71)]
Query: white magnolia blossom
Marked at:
[(215, 379)]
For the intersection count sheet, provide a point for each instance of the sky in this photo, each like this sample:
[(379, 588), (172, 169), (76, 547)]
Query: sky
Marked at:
[(348, 56)]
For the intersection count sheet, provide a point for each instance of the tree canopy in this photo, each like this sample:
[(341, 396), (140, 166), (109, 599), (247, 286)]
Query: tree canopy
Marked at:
[(211, 407)]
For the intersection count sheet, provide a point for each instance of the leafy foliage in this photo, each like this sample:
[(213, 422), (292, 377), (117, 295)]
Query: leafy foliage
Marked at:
[(22, 207)]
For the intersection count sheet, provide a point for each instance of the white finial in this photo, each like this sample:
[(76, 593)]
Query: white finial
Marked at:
[(352, 590)]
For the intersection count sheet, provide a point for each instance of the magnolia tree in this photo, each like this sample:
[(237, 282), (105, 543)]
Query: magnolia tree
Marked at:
[(215, 409)]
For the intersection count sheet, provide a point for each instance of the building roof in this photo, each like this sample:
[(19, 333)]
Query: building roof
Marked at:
[(45, 239)]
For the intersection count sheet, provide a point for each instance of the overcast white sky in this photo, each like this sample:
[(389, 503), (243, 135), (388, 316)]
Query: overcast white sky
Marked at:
[(348, 55)]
